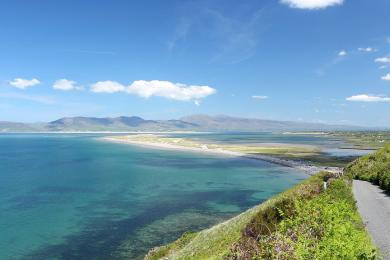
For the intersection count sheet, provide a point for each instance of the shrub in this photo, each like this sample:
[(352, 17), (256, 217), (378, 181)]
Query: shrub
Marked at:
[(308, 223), (374, 168)]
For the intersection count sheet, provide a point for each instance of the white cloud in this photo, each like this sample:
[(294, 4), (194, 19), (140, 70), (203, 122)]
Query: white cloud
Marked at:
[(259, 97), (24, 83), (167, 89), (386, 77), (311, 4), (342, 53), (65, 84), (368, 98), (385, 59), (107, 86), (367, 49), (147, 89), (383, 67)]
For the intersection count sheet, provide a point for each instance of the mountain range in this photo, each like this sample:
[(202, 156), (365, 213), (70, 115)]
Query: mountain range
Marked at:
[(188, 123)]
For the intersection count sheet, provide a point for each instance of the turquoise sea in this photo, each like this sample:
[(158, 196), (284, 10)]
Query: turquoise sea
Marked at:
[(76, 197)]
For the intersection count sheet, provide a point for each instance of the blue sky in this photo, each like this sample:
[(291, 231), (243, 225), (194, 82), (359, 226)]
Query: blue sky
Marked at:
[(308, 60)]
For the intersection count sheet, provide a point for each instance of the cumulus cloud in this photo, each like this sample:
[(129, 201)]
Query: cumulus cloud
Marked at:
[(386, 77), (367, 49), (385, 59), (165, 89), (107, 86), (342, 53), (368, 98), (259, 97), (24, 83), (311, 4), (65, 85)]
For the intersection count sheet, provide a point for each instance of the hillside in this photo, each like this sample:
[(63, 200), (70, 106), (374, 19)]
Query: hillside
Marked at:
[(374, 168), (305, 222), (189, 123)]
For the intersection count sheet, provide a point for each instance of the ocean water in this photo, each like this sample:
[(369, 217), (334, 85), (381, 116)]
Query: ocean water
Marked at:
[(77, 197)]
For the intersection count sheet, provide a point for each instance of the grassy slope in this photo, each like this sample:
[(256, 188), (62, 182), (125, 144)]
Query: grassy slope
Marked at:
[(210, 243), (323, 226), (374, 168), (301, 222)]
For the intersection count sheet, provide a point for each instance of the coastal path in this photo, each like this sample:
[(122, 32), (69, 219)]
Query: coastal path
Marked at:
[(374, 206)]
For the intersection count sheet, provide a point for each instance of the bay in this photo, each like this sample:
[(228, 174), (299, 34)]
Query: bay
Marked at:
[(69, 196)]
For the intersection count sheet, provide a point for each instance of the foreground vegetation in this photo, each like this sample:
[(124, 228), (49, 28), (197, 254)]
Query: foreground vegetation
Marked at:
[(305, 222), (374, 168)]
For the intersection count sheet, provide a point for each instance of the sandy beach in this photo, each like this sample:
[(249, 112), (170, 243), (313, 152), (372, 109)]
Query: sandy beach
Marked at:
[(300, 165)]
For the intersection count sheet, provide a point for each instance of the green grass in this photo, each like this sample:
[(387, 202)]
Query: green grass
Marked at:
[(326, 226), (363, 139), (374, 168), (305, 222), (212, 243)]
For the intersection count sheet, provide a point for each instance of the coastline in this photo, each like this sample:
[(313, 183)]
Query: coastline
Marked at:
[(300, 165)]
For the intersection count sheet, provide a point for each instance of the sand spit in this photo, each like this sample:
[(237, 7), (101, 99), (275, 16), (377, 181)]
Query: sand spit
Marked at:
[(300, 165)]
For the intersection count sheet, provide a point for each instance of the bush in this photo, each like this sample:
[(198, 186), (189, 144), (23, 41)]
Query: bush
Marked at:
[(374, 168), (326, 227), (308, 223)]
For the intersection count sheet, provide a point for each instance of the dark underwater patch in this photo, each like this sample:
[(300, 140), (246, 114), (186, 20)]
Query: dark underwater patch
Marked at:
[(101, 238)]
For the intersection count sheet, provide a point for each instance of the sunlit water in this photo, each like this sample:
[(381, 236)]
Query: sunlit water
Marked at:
[(76, 197)]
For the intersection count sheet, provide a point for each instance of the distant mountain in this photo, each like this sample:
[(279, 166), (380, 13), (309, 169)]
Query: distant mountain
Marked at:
[(189, 123), (95, 123), (228, 123)]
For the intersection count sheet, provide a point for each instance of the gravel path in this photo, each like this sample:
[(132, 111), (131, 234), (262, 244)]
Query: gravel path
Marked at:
[(374, 207)]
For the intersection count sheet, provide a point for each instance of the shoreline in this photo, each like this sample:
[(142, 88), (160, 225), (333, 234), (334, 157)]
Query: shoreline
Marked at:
[(300, 165)]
